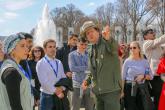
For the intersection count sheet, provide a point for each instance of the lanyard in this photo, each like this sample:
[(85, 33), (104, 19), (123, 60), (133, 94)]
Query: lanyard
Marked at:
[(29, 70), (55, 70), (27, 76), (24, 72)]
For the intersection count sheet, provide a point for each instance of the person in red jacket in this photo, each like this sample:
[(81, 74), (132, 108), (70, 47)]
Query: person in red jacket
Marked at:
[(161, 72)]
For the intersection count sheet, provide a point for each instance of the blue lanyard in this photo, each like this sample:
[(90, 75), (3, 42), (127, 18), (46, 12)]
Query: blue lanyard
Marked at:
[(29, 70), (55, 70), (28, 76), (24, 72)]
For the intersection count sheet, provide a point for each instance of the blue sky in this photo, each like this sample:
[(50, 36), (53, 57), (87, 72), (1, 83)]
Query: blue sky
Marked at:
[(23, 15)]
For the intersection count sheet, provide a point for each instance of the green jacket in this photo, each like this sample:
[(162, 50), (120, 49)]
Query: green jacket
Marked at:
[(105, 66)]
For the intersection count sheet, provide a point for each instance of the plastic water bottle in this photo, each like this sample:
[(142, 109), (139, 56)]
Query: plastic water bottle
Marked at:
[(147, 71)]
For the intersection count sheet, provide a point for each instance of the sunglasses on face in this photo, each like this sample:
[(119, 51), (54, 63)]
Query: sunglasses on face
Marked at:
[(36, 51), (132, 48)]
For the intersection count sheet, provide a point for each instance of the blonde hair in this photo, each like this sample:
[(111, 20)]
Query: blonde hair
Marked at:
[(140, 52)]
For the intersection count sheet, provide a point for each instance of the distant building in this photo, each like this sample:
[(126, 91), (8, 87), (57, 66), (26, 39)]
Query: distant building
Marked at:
[(140, 28)]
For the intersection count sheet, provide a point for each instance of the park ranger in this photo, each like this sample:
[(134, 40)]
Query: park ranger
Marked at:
[(104, 65)]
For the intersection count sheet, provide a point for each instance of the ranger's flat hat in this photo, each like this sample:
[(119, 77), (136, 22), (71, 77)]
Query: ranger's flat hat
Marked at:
[(87, 25)]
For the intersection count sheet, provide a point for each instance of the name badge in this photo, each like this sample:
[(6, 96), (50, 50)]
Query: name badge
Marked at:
[(102, 56)]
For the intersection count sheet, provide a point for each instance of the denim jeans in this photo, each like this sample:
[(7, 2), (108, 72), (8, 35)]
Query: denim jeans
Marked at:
[(46, 101)]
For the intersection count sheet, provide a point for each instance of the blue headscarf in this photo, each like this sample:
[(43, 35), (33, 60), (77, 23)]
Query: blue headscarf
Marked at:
[(11, 41)]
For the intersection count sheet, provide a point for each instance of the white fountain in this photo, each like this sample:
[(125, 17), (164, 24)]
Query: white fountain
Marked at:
[(46, 28)]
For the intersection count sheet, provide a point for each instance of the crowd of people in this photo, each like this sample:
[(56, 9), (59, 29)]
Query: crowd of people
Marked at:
[(91, 70)]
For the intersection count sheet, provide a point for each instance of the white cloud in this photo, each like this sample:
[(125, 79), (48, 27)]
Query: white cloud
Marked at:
[(91, 4), (17, 4), (10, 15)]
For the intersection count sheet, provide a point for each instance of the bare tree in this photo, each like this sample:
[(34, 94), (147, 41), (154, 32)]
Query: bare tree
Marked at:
[(122, 17), (137, 9), (158, 8), (109, 11), (104, 14), (149, 19), (68, 16)]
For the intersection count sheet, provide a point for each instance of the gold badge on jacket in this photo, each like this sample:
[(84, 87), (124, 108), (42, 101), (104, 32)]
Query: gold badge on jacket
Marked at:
[(102, 56)]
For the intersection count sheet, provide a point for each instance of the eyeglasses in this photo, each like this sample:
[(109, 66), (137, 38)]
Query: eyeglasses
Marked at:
[(132, 48), (36, 51)]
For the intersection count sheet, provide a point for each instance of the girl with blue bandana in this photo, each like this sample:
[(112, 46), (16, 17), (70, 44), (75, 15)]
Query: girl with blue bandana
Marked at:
[(15, 90)]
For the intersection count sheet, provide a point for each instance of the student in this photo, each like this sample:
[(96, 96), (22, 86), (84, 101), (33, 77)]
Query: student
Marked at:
[(29, 42), (62, 55), (78, 63), (15, 89), (49, 72), (35, 55)]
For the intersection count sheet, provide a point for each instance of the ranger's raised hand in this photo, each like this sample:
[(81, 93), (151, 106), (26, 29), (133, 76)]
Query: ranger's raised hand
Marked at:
[(106, 32)]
